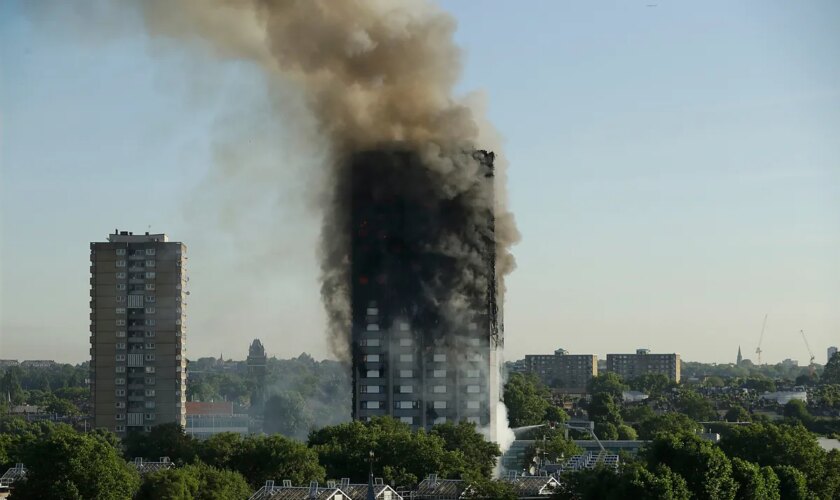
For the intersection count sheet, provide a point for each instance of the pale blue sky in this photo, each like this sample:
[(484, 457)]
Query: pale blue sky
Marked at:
[(675, 173)]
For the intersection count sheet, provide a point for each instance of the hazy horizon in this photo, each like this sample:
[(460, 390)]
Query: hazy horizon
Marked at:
[(674, 172)]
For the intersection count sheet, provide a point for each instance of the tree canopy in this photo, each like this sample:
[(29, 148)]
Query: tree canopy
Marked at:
[(64, 464), (783, 445), (609, 383), (194, 482), (526, 400), (831, 373), (164, 440), (705, 468), (669, 423), (479, 454), (259, 458), (400, 454)]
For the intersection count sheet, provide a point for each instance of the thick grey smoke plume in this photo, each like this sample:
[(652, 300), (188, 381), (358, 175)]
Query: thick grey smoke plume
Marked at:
[(376, 75)]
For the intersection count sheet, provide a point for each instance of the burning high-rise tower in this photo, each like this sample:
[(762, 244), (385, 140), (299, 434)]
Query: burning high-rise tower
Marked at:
[(425, 324), (416, 235)]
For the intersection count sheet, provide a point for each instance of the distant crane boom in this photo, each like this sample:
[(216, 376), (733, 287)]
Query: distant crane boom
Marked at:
[(810, 352), (761, 338)]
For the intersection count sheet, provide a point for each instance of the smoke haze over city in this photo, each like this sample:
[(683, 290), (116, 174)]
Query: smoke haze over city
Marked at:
[(669, 191)]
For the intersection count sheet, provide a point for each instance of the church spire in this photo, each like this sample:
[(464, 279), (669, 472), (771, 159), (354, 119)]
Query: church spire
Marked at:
[(740, 358)]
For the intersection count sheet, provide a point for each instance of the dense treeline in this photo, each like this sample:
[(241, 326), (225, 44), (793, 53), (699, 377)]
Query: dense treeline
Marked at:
[(59, 389), (301, 394), (65, 464), (776, 457), (772, 453)]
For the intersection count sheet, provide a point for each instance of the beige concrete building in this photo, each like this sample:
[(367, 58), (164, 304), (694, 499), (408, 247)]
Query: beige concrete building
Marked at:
[(572, 372), (138, 332), (629, 366), (561, 370)]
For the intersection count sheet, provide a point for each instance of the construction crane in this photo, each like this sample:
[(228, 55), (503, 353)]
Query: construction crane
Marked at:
[(810, 352), (760, 338)]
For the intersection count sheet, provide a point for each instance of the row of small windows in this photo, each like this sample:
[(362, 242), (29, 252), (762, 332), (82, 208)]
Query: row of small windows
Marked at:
[(150, 275), (409, 358), (122, 263), (147, 404), (147, 357), (434, 373), (121, 428), (377, 342), (149, 251), (121, 345), (147, 380), (409, 389), (147, 310), (148, 322), (373, 327), (122, 286), (150, 393), (147, 333), (148, 298), (440, 420), (410, 405)]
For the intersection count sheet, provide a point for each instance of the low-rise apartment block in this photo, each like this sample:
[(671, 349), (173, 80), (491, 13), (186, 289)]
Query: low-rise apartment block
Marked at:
[(629, 366), (561, 370)]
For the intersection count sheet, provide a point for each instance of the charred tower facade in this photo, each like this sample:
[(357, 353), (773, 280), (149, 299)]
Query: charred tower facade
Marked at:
[(425, 322)]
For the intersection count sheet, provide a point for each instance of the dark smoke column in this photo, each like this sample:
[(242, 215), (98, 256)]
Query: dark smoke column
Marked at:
[(425, 323)]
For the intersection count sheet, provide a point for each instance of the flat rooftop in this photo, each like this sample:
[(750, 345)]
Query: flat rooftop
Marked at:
[(129, 237)]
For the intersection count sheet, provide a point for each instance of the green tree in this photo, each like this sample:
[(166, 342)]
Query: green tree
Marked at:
[(197, 481), (554, 445), (401, 455), (792, 483), (705, 468), (287, 413), (555, 414), (606, 431), (172, 484), (633, 481), (694, 406), (825, 396), (650, 383), (10, 386), (760, 384), (604, 411), (636, 412), (67, 465), (221, 450), (737, 414), (62, 407), (754, 482), (559, 448), (259, 458), (660, 483), (831, 372), (670, 423), (831, 477), (480, 455), (481, 487), (596, 484), (6, 444), (796, 410), (164, 440), (778, 444), (627, 433), (609, 383), (526, 400)]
